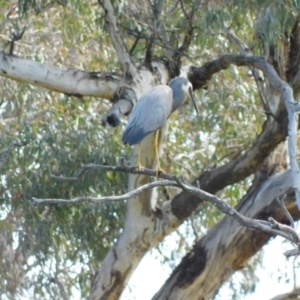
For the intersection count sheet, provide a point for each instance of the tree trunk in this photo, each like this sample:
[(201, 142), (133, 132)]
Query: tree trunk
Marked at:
[(228, 246)]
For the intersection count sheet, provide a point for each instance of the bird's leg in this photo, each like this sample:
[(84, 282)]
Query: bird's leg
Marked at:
[(139, 157), (159, 169)]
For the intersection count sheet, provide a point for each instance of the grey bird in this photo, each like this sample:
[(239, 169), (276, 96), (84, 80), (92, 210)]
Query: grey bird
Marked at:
[(152, 111)]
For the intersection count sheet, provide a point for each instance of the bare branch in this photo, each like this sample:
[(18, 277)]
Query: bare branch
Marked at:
[(200, 76), (288, 215), (287, 95), (293, 295), (37, 201), (70, 82), (60, 286), (124, 100), (289, 234), (292, 252), (196, 77), (287, 229), (271, 227), (120, 168), (245, 50), (294, 53), (121, 51), (190, 18), (157, 10), (16, 36)]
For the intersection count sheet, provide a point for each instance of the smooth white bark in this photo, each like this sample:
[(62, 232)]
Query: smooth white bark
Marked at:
[(72, 82)]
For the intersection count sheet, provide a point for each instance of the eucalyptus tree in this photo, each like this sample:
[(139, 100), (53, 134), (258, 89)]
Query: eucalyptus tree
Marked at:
[(71, 72)]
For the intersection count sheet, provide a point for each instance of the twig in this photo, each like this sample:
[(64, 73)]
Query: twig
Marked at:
[(15, 37), (288, 215), (127, 64), (261, 225), (277, 84), (292, 252), (244, 49), (189, 34), (287, 229), (59, 284), (121, 167)]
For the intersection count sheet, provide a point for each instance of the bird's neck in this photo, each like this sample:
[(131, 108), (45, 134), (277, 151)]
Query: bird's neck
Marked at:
[(178, 99)]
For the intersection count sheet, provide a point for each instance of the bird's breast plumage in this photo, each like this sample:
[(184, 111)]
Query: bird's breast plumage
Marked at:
[(150, 113)]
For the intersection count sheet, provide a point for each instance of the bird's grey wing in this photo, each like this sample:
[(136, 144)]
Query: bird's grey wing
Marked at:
[(149, 114)]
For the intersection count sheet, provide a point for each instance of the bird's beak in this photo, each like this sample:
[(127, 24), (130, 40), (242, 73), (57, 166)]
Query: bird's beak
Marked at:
[(193, 99)]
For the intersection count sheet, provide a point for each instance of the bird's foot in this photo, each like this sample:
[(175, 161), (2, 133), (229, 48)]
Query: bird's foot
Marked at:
[(159, 170), (140, 167)]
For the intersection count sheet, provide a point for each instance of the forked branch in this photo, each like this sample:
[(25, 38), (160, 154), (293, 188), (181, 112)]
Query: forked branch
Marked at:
[(199, 77), (270, 226), (127, 64)]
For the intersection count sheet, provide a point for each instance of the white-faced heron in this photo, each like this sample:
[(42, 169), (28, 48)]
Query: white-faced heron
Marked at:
[(152, 111)]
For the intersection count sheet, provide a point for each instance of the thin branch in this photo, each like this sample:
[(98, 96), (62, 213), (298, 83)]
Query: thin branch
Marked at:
[(189, 34), (55, 280), (127, 64), (287, 229), (262, 225), (60, 287), (278, 85), (184, 11), (121, 167), (157, 11), (245, 50), (270, 226), (126, 196), (292, 252), (288, 215), (15, 37)]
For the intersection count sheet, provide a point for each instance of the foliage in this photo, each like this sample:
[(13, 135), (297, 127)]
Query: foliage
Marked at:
[(58, 134)]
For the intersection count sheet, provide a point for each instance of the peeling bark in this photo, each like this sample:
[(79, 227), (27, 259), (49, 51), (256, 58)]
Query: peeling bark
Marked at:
[(144, 230), (124, 98), (228, 246)]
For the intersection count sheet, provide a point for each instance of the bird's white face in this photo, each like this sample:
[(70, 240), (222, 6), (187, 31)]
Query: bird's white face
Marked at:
[(187, 88)]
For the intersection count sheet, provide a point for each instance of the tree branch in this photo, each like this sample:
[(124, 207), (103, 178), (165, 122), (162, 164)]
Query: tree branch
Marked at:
[(121, 167), (126, 63), (70, 82), (126, 196), (244, 50), (124, 100), (293, 295), (200, 76), (189, 34), (228, 245), (157, 10), (59, 284), (287, 95), (272, 133), (288, 215), (271, 226)]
